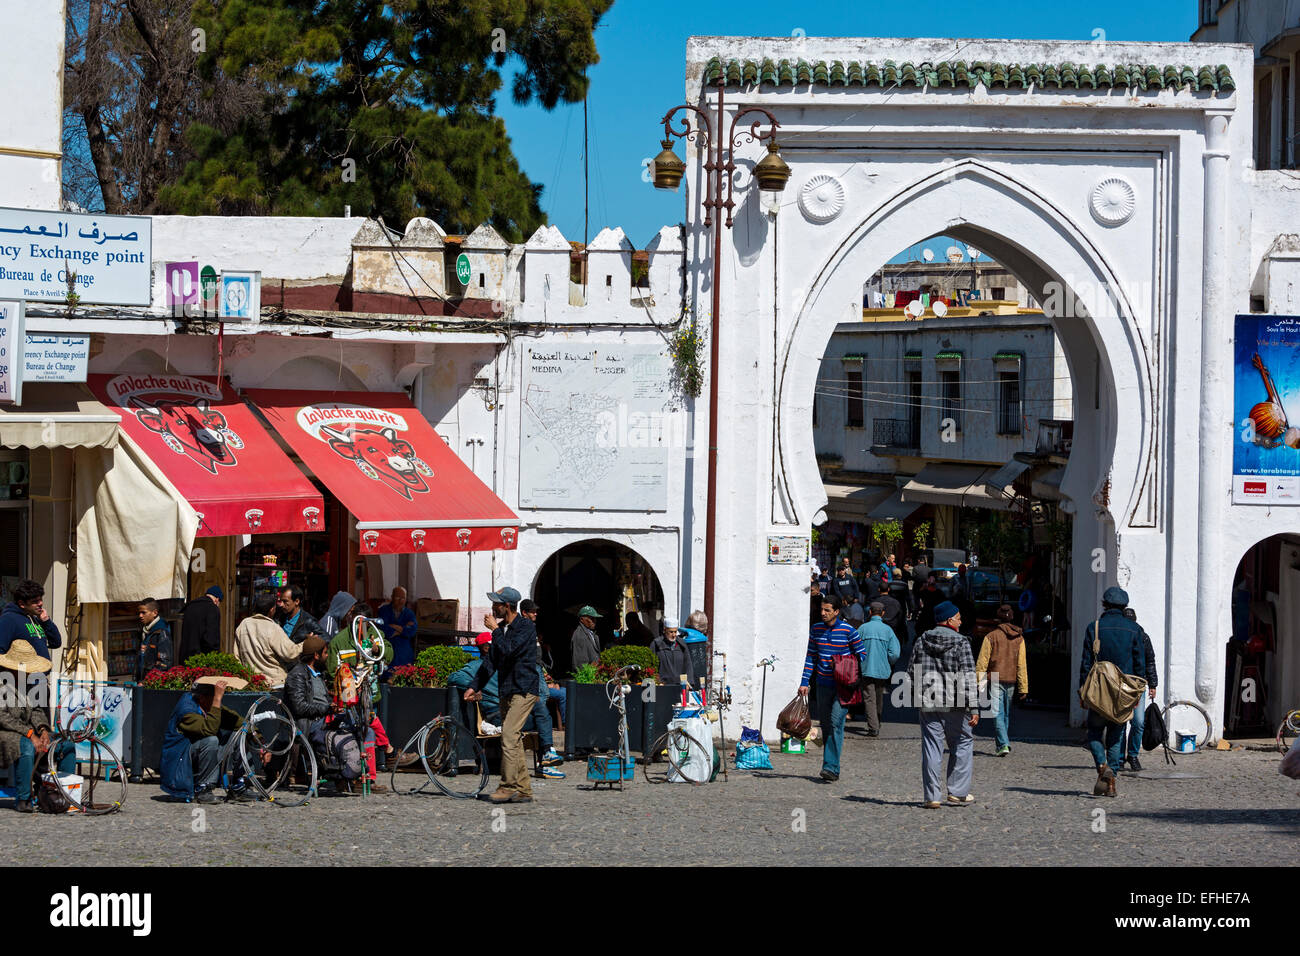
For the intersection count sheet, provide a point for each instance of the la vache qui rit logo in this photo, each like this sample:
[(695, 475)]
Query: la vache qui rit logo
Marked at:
[(179, 409), (371, 438)]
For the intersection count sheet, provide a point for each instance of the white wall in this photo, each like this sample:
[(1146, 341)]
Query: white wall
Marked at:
[(31, 74)]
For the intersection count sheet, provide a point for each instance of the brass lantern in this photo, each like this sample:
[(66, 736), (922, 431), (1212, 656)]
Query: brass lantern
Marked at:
[(771, 172), (669, 169)]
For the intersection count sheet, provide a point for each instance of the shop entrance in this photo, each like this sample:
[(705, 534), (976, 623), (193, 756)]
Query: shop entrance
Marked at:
[(1263, 655), (610, 577)]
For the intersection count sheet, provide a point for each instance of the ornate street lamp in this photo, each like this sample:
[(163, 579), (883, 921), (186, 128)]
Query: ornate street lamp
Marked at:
[(771, 174)]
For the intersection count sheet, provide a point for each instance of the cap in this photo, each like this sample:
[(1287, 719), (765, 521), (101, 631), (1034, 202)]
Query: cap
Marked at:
[(484, 638), (588, 611), (505, 596), (671, 624), (216, 592), (945, 611), (313, 646), (1116, 597)]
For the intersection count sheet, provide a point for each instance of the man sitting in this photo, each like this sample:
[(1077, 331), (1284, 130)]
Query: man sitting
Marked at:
[(313, 707), (24, 727), (197, 730)]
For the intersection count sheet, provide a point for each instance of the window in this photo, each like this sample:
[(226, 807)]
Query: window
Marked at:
[(853, 417), (914, 409), (999, 293), (1009, 421), (1264, 121), (815, 404), (950, 397)]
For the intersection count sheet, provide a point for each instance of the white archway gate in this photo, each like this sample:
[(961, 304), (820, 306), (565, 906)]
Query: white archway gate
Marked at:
[(1110, 202)]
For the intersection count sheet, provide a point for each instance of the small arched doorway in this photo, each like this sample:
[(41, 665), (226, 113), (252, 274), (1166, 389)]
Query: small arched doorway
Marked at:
[(1262, 683), (611, 577)]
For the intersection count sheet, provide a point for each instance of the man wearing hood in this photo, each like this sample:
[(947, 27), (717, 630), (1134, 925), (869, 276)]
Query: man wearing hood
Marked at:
[(340, 604), (943, 682), (1120, 643), (1002, 658), (25, 619)]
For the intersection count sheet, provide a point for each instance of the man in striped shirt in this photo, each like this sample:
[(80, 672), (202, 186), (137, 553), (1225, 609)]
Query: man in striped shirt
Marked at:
[(831, 637)]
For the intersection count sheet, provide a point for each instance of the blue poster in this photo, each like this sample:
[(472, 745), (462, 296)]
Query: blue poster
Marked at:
[(1266, 439)]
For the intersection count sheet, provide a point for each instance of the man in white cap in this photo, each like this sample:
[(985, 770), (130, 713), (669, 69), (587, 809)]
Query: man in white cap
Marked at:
[(25, 728), (674, 658)]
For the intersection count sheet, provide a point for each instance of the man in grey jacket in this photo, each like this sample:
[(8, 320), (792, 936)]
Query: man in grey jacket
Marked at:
[(943, 684), (305, 693), (674, 657), (585, 644)]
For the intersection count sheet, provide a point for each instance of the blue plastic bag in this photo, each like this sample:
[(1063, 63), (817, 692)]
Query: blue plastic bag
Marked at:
[(753, 757), (748, 735)]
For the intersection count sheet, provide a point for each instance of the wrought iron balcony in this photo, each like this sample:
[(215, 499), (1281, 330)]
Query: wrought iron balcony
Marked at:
[(896, 433)]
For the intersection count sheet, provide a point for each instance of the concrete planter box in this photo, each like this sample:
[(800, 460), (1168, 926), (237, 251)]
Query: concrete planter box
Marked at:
[(590, 723), (404, 710), (151, 711)]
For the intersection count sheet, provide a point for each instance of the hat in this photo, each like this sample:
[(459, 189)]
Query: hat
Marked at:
[(671, 624), (505, 596), (1006, 614), (484, 638), (588, 611), (216, 592), (22, 656), (232, 683), (945, 611), (1115, 597), (877, 608), (313, 646)]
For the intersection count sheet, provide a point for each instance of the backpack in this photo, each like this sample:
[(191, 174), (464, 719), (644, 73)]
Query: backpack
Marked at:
[(1107, 691), (1155, 733)]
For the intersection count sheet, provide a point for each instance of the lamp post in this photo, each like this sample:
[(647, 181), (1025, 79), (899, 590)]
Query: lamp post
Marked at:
[(771, 174)]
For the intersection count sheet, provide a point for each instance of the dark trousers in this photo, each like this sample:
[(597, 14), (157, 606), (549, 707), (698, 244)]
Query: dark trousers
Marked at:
[(874, 692)]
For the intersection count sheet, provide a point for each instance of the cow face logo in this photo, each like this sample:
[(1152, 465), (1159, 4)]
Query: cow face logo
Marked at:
[(508, 537), (193, 429), (417, 539), (463, 537), (254, 516), (382, 456), (370, 539), (312, 515)]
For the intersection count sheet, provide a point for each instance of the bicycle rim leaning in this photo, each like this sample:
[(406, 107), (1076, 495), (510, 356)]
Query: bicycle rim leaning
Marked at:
[(409, 775), (100, 793), (454, 760), (1287, 731), (295, 781)]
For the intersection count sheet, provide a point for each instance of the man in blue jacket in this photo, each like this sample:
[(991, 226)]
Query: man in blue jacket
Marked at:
[(882, 649), (197, 730), (1120, 643), (25, 619), (399, 627)]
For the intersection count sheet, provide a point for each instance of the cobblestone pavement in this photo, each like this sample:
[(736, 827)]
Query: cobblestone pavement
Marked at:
[(1033, 807)]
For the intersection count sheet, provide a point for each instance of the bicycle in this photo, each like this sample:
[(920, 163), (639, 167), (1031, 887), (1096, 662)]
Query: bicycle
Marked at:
[(453, 760), (1287, 731), (277, 758), (82, 726)]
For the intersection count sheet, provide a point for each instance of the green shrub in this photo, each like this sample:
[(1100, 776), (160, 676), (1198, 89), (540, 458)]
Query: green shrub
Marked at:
[(445, 659), (613, 658), (220, 663), (586, 674)]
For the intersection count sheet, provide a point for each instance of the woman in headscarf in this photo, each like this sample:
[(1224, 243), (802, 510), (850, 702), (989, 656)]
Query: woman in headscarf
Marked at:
[(335, 617)]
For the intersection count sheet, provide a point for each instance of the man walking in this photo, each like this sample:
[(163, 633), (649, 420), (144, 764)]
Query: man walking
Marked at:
[(1121, 644), (881, 647), (1002, 657), (584, 646), (893, 615), (1138, 723), (831, 637), (201, 625), (845, 586), (943, 682), (512, 656)]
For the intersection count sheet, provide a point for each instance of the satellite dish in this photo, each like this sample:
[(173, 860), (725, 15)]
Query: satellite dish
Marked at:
[(927, 255), (914, 308), (955, 254), (973, 253), (939, 308)]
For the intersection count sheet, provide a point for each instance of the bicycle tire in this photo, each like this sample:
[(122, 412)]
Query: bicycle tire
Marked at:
[(454, 759), (674, 744), (1209, 724), (295, 783), (88, 804), (409, 775), (277, 739), (1287, 731)]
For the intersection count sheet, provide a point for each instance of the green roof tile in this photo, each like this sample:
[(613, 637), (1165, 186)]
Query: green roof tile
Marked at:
[(959, 74)]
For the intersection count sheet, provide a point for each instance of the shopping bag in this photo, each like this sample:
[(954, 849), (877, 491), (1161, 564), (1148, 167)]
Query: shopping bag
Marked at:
[(794, 719), (848, 678), (753, 756)]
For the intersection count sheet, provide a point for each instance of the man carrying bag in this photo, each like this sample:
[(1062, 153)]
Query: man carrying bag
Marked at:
[(1113, 654)]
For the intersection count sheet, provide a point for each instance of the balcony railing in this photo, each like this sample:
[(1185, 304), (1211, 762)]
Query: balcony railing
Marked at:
[(896, 432)]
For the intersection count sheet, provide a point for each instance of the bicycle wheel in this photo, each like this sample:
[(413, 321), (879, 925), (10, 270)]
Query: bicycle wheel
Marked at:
[(1287, 731), (1188, 724), (270, 726), (408, 775), (454, 759), (687, 759), (100, 794), (294, 784)]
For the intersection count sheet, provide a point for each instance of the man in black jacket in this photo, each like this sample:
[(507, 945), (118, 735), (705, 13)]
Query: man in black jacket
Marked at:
[(305, 692), (293, 617), (512, 656), (155, 641), (201, 625), (894, 616), (1136, 725)]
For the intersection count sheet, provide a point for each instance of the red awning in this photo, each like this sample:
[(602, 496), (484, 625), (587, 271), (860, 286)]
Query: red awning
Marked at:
[(213, 449), (408, 491)]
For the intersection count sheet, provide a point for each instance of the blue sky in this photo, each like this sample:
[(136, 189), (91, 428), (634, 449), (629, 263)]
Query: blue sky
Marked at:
[(642, 46)]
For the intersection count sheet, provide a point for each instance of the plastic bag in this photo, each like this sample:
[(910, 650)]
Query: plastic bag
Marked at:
[(1291, 763), (753, 756), (748, 735), (794, 718)]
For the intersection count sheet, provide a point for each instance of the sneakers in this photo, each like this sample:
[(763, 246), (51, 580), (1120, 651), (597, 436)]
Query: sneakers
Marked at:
[(932, 805), (1003, 751), (552, 773), (961, 801), (241, 795), (830, 776), (206, 796), (1134, 764), (552, 759)]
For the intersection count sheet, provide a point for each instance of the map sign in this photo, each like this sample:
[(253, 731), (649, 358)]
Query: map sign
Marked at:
[(599, 424)]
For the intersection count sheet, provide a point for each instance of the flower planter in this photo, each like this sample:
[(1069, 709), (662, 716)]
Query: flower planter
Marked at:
[(590, 723), (404, 710), (151, 711)]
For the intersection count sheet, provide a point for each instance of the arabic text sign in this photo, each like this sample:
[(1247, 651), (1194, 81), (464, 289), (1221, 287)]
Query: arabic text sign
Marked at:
[(1266, 440), (111, 256), (56, 358), (12, 315), (787, 549)]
